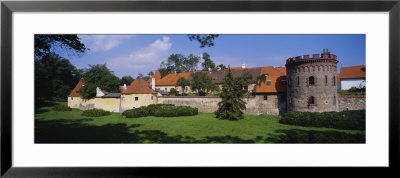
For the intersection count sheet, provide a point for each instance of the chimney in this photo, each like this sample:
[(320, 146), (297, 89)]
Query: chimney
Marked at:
[(243, 65), (153, 83), (124, 85)]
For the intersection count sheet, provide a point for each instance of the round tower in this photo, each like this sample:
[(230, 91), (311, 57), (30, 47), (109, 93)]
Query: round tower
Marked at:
[(312, 83)]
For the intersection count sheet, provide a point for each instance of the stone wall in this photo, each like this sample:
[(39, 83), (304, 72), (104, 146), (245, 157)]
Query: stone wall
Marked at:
[(351, 102), (273, 104)]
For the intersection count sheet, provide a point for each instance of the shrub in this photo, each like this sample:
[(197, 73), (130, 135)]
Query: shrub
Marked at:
[(351, 120), (173, 92), (95, 113), (62, 107), (172, 111)]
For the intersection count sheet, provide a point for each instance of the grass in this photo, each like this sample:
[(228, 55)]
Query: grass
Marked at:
[(70, 127), (347, 92)]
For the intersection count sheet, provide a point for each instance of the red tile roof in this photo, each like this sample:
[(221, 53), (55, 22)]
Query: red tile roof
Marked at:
[(351, 72), (156, 76), (171, 79), (275, 75), (139, 86), (74, 92)]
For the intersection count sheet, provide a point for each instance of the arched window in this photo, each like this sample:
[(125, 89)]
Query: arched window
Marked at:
[(334, 81), (311, 80), (326, 80), (311, 100), (298, 80)]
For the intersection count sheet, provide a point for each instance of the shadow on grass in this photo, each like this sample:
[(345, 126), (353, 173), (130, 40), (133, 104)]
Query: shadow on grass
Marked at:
[(77, 131), (304, 136)]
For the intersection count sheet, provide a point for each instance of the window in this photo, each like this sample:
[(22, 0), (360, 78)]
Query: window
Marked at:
[(283, 82), (298, 80), (151, 97), (311, 100), (334, 81), (136, 98), (268, 82), (265, 97), (326, 80), (311, 80), (72, 98), (334, 100), (290, 82), (166, 89), (290, 100)]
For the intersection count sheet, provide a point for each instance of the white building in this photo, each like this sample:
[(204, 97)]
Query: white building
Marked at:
[(352, 76)]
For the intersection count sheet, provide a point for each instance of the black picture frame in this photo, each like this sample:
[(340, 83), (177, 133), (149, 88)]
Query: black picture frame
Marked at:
[(8, 7)]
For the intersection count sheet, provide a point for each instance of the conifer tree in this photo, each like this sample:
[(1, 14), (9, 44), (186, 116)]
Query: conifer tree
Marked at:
[(232, 105)]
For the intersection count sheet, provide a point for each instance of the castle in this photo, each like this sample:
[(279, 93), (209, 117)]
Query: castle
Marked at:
[(306, 83)]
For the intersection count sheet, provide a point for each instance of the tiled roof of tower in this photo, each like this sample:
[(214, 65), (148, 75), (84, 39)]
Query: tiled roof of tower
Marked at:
[(171, 79), (139, 86), (156, 76), (276, 76), (74, 92), (351, 72)]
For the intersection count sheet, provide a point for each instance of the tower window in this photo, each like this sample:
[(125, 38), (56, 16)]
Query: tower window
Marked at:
[(311, 80), (311, 100), (298, 80), (283, 82), (326, 80), (265, 97), (334, 81)]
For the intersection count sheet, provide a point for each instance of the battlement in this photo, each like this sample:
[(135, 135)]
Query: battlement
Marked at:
[(325, 55)]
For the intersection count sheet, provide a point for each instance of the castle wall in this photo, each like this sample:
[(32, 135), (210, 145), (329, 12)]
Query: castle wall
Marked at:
[(352, 102), (274, 105), (107, 104)]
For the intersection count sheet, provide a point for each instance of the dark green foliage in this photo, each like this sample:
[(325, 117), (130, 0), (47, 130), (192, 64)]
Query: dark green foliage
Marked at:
[(160, 110), (126, 80), (208, 63), (313, 136), (232, 105), (173, 111), (350, 120), (62, 107), (204, 40), (55, 77), (99, 76), (164, 72), (180, 63), (45, 43), (201, 81), (95, 113), (244, 81), (150, 74), (173, 92), (182, 82), (261, 78), (222, 66)]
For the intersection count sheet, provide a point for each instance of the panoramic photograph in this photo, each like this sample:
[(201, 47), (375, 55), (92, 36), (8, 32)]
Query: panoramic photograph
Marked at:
[(200, 88)]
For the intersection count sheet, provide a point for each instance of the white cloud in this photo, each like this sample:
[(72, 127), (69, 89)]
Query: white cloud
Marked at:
[(103, 42), (142, 60)]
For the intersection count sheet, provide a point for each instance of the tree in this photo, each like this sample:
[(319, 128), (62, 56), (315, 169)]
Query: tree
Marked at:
[(261, 78), (201, 81), (232, 105), (221, 66), (99, 76), (204, 40), (173, 92), (180, 63), (164, 72), (208, 63), (182, 82), (126, 80), (55, 77), (244, 80), (44, 44), (150, 74)]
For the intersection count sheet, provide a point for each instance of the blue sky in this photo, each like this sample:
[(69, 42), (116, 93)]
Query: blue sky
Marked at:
[(133, 54)]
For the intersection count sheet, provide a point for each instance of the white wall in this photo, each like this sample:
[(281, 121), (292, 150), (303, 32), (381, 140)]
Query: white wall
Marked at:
[(348, 83)]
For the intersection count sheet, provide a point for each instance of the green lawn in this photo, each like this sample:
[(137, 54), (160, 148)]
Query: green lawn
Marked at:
[(70, 127)]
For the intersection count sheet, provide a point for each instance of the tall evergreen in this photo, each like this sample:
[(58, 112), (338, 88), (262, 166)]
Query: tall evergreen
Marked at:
[(232, 105)]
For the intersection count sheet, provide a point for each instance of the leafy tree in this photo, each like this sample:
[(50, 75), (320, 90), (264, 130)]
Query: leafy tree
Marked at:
[(232, 105), (204, 40), (182, 82), (99, 76), (55, 77), (150, 74), (261, 78), (208, 63), (140, 75), (201, 81), (44, 44), (222, 66), (180, 63), (164, 72), (173, 92), (126, 80)]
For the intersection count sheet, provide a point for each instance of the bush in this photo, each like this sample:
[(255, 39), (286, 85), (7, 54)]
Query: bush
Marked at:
[(160, 110), (62, 107), (95, 113), (173, 92), (351, 120)]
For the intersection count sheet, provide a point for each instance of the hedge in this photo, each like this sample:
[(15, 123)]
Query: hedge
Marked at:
[(160, 110), (350, 120), (95, 113), (62, 107)]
